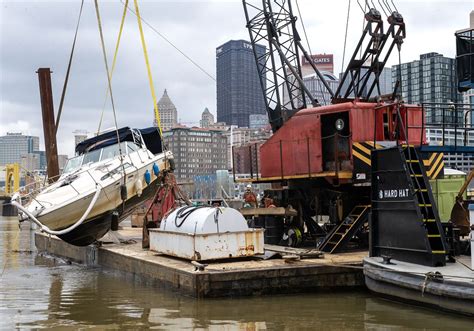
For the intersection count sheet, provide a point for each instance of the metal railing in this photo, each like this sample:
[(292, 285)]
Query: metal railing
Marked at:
[(450, 120), (453, 121)]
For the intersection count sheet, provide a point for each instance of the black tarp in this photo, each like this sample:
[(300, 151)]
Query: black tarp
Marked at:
[(151, 136)]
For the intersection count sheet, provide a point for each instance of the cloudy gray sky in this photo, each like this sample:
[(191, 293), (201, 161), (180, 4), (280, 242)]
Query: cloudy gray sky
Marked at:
[(37, 34)]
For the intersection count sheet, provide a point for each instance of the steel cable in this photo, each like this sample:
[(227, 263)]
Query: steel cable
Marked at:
[(66, 79)]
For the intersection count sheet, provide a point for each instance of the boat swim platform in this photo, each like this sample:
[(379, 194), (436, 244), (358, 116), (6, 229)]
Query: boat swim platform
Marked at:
[(223, 278)]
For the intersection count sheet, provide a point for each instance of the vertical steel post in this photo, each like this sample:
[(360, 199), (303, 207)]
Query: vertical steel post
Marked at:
[(444, 124), (309, 157), (281, 159), (233, 160), (422, 123), (407, 126), (256, 158), (251, 161), (49, 127)]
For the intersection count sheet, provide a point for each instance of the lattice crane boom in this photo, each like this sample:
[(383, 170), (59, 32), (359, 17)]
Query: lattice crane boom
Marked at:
[(272, 23)]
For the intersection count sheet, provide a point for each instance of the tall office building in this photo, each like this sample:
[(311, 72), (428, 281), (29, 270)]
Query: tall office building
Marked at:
[(385, 82), (168, 112), (431, 79), (197, 151), (14, 145), (42, 160), (207, 119), (239, 93)]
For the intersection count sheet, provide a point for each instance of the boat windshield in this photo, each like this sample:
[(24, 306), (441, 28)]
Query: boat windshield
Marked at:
[(97, 155), (73, 164), (132, 147), (93, 156), (110, 152)]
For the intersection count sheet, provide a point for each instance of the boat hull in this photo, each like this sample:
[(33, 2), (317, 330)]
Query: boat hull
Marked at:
[(97, 226), (64, 203), (407, 283), (89, 232)]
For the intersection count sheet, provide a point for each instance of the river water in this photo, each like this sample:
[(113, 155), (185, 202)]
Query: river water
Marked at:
[(45, 292)]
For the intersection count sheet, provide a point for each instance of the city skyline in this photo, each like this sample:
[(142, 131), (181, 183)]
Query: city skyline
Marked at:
[(26, 45)]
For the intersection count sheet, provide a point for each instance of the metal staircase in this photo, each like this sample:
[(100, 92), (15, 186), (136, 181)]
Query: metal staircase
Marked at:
[(342, 233), (424, 199), (404, 222)]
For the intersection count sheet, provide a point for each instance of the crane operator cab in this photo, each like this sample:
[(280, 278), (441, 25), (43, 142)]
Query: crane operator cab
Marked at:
[(335, 141)]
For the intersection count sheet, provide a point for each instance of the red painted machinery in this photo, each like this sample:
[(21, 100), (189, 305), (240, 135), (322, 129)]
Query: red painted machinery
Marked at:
[(319, 157), (334, 141)]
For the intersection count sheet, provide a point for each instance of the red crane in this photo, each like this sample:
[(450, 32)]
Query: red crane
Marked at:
[(319, 157)]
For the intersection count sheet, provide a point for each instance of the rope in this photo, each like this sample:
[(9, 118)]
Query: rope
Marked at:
[(113, 62), (174, 46), (104, 53), (345, 36), (150, 78), (309, 48), (187, 57), (66, 79), (430, 276), (367, 6), (400, 73)]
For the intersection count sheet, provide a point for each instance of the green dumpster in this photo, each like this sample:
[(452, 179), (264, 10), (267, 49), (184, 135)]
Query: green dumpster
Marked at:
[(445, 191)]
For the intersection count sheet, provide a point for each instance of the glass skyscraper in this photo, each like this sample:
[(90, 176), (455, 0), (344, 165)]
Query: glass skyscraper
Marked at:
[(432, 79), (239, 93)]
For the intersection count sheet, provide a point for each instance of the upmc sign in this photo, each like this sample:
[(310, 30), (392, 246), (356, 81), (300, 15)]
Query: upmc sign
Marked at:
[(319, 59)]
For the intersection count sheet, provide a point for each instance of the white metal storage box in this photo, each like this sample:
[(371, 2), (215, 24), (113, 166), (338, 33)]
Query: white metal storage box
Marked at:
[(206, 233)]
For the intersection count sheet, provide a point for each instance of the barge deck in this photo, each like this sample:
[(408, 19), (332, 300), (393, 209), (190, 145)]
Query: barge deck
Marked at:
[(237, 277)]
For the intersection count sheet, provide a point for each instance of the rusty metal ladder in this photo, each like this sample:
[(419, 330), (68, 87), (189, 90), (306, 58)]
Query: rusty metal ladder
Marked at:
[(343, 232)]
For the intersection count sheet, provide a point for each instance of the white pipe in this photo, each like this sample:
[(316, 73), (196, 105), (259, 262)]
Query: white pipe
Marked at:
[(44, 228)]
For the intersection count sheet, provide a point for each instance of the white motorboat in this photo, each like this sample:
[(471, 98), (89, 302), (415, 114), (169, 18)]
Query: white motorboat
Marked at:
[(111, 174)]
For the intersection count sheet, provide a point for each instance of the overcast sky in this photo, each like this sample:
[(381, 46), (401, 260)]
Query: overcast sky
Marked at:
[(38, 34)]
